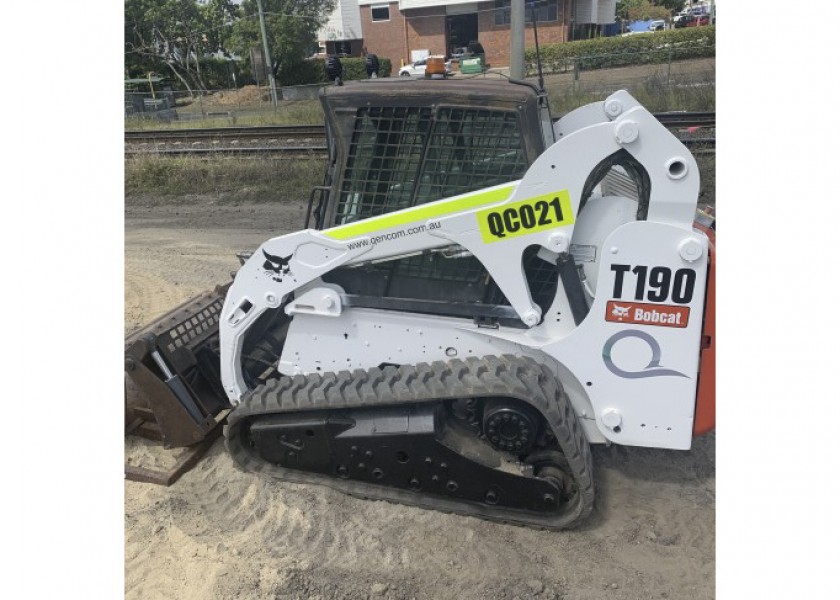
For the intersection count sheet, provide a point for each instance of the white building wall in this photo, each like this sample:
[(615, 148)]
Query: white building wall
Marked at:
[(344, 23), (601, 12), (404, 4), (606, 12)]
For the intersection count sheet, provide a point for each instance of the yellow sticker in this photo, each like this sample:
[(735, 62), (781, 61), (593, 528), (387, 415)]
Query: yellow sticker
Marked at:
[(422, 212), (525, 217)]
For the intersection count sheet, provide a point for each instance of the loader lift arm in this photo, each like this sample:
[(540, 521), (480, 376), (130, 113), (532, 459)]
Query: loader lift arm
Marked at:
[(494, 224)]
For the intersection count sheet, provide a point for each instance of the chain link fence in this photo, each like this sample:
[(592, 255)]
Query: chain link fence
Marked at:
[(661, 79)]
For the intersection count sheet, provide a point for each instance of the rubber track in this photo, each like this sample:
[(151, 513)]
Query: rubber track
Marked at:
[(507, 376)]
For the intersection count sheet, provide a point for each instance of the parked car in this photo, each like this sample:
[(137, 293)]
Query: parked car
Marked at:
[(418, 69), (682, 19), (657, 25), (698, 21), (462, 52)]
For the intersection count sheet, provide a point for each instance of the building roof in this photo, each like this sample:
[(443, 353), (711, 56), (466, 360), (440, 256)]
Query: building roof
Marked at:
[(409, 4)]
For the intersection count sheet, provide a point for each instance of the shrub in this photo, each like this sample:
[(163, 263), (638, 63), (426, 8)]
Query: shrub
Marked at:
[(600, 53), (354, 68), (302, 73), (219, 73)]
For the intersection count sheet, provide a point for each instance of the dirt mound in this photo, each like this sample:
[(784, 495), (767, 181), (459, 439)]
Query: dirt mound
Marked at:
[(249, 94), (221, 533)]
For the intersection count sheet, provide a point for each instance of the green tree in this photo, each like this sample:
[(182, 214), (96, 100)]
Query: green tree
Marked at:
[(674, 6), (641, 10), (291, 28), (175, 35)]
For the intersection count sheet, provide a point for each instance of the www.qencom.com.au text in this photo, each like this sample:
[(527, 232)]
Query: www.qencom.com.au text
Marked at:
[(394, 235)]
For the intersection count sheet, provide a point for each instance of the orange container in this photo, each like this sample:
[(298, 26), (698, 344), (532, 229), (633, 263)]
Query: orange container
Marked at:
[(435, 67)]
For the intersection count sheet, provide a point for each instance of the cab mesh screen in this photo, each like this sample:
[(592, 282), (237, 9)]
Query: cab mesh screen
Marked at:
[(405, 156), (471, 149), (402, 156), (384, 158)]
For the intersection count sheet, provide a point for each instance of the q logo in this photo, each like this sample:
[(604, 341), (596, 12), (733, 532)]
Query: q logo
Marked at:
[(654, 369)]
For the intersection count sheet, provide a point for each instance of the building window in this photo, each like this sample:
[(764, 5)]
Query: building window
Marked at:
[(380, 13), (546, 10), (502, 12)]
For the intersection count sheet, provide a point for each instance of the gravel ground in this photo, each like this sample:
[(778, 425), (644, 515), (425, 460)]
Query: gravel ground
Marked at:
[(221, 533)]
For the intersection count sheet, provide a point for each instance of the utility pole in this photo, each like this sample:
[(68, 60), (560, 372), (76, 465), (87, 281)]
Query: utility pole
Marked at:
[(517, 39), (267, 60), (540, 81)]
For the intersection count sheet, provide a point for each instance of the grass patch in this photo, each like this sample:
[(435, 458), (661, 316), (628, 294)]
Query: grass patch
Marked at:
[(289, 112), (690, 87), (654, 92), (706, 165), (229, 180)]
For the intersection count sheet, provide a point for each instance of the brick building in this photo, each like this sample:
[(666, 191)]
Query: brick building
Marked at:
[(406, 30)]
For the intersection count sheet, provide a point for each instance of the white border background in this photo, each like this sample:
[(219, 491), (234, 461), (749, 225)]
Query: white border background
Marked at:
[(777, 401), (62, 242)]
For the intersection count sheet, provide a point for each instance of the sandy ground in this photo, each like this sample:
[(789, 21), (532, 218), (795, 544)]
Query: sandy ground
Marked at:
[(221, 533)]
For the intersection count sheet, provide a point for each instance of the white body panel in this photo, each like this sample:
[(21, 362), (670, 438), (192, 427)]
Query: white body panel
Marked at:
[(361, 338), (630, 367)]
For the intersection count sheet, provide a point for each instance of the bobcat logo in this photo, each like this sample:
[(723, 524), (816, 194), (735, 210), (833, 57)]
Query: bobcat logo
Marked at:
[(620, 312), (279, 265)]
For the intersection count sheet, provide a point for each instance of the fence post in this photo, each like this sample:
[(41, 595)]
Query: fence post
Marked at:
[(670, 54)]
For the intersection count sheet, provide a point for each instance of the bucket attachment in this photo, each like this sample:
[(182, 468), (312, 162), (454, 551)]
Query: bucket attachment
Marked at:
[(173, 390)]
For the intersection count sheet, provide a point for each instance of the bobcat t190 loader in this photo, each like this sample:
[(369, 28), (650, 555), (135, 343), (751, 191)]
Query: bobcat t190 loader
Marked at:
[(482, 294)]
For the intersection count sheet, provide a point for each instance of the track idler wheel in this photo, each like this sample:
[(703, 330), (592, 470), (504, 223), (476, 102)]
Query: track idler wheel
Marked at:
[(511, 426), (549, 466), (556, 478)]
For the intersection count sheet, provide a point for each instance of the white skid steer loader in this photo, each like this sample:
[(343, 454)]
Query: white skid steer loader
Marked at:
[(477, 303)]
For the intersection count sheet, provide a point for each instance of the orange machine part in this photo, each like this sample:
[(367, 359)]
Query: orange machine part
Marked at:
[(435, 65), (704, 411)]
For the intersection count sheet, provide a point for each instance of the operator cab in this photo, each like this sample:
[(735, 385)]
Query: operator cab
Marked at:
[(395, 145)]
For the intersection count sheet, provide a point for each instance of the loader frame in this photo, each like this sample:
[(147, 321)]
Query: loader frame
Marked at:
[(592, 351)]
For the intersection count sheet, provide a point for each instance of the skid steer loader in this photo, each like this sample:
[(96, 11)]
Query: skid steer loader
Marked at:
[(477, 295)]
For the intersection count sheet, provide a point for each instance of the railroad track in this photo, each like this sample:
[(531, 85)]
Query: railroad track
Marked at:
[(676, 120), (225, 133), (697, 145), (319, 151), (673, 120)]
